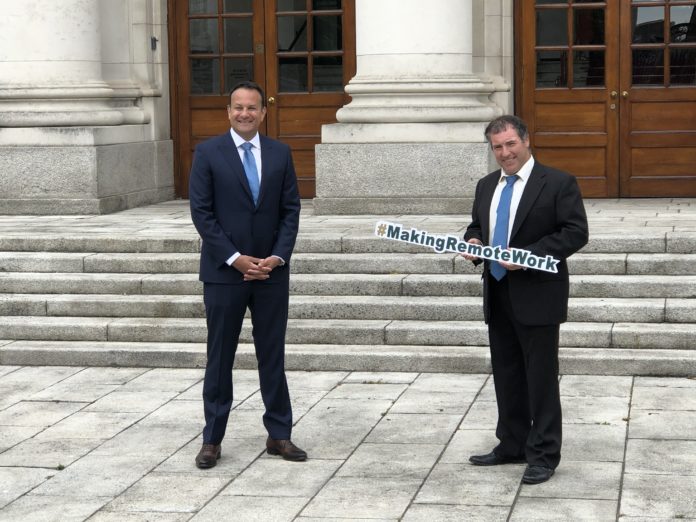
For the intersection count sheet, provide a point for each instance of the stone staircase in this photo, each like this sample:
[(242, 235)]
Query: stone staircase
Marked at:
[(357, 302)]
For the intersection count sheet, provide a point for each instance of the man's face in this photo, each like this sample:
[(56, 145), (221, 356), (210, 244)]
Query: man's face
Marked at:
[(246, 112), (510, 151)]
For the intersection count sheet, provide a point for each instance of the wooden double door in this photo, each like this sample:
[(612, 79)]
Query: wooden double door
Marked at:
[(609, 92), (302, 52)]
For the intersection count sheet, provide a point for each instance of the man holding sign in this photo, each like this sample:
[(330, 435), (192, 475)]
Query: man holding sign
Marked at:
[(533, 207)]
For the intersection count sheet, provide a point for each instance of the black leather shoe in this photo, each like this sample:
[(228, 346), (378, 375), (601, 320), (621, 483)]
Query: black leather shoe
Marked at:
[(493, 459), (536, 474), (286, 449), (208, 456)]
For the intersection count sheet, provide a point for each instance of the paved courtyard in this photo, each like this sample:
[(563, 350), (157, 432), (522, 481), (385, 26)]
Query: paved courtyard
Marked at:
[(118, 444)]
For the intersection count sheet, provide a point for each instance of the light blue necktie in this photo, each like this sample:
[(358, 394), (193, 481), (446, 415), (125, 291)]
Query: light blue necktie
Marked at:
[(251, 171), (502, 220)]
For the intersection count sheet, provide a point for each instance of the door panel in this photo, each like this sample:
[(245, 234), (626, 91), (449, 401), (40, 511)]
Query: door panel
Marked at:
[(627, 128), (308, 63), (658, 98), (302, 52), (567, 66)]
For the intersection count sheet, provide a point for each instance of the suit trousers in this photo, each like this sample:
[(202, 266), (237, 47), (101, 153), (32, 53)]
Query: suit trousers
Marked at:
[(225, 306), (525, 372)]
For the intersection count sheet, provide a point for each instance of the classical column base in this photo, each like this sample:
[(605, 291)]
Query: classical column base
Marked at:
[(82, 170), (398, 178)]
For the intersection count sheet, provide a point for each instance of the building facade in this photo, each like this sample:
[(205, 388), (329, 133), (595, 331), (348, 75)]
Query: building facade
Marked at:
[(383, 102)]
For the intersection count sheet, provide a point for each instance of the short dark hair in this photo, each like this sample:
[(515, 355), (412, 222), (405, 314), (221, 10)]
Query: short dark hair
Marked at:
[(501, 123), (247, 84)]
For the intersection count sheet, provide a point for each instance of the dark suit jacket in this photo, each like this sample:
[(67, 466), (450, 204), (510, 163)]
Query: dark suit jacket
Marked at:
[(224, 214), (551, 220)]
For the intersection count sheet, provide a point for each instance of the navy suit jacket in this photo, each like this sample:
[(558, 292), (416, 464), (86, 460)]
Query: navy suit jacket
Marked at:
[(224, 213), (550, 220)]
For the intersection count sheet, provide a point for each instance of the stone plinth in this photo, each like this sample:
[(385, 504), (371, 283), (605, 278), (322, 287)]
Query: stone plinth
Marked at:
[(82, 170)]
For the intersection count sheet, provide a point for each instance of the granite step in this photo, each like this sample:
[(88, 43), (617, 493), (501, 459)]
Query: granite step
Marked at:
[(319, 357), (449, 285), (336, 263), (427, 308), (341, 331)]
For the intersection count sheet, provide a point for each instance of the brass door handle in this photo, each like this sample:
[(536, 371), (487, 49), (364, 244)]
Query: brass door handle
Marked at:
[(613, 94), (624, 94), (271, 100)]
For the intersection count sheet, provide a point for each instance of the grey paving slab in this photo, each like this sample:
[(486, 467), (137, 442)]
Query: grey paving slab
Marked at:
[(11, 435), (449, 513), (414, 428), (653, 496), (104, 376), (467, 442), (150, 516), (594, 442), (18, 385), (665, 382), (357, 497), (151, 443), (252, 509), (481, 415), (595, 410), (595, 386), (51, 507), (164, 379), (391, 460), (664, 398), (131, 401), (381, 377), (68, 391), (661, 457), (314, 380), (588, 480), (37, 413), (180, 492), (662, 424), (471, 485), (283, 478), (367, 391), (16, 481), (415, 401), (97, 476), (564, 509), (39, 452), (334, 428), (90, 425), (448, 382)]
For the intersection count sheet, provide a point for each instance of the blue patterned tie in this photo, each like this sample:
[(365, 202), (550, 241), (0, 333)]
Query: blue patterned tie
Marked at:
[(251, 171), (502, 220)]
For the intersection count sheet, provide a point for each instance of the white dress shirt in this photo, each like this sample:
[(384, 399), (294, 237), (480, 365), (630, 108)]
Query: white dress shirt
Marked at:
[(517, 190)]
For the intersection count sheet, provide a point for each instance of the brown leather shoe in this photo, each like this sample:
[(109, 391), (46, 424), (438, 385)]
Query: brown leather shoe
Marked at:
[(286, 449), (208, 456)]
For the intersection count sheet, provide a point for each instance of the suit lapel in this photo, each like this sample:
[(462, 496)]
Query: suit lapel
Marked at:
[(266, 163), (231, 154), (486, 199), (535, 183)]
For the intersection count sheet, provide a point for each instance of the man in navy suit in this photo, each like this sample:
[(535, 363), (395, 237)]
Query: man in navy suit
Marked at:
[(542, 211), (246, 208)]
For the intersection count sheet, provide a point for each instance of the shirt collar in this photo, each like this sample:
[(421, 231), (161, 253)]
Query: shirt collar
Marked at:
[(238, 140), (524, 172)]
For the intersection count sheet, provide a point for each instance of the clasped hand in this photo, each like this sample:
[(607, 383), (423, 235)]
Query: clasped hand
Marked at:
[(254, 268)]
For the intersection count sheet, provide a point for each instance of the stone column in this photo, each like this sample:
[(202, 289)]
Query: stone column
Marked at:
[(72, 142), (411, 140), (51, 67)]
